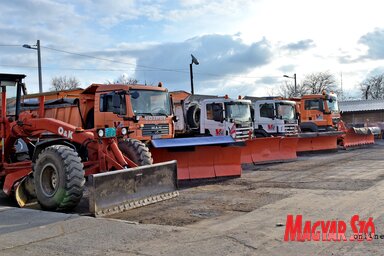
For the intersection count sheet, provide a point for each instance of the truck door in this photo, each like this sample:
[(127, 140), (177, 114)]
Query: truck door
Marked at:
[(267, 117), (214, 120), (314, 109), (111, 107)]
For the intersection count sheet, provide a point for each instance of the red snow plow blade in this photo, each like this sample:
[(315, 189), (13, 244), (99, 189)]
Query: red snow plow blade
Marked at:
[(200, 157), (356, 137), (270, 149), (317, 141)]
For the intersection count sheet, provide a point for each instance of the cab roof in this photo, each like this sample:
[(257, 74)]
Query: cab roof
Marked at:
[(93, 88)]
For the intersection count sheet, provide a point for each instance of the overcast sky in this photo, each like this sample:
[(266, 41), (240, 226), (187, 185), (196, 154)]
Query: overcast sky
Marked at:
[(243, 46)]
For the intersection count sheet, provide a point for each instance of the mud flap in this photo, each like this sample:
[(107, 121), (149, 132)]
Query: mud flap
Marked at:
[(317, 141), (357, 137), (268, 150), (200, 157), (117, 191)]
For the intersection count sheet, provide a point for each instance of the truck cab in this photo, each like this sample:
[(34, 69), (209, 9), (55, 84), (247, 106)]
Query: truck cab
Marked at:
[(274, 117), (224, 116), (319, 112), (145, 111), (208, 115)]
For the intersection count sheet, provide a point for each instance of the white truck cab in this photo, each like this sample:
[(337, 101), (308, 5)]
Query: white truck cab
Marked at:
[(274, 117), (224, 116), (214, 116)]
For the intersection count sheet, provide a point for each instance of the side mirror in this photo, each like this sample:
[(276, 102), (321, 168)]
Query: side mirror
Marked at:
[(116, 101), (175, 118), (321, 106), (135, 95)]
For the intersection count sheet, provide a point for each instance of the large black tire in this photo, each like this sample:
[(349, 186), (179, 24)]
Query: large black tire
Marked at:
[(136, 151), (259, 133), (309, 127), (59, 178), (193, 116)]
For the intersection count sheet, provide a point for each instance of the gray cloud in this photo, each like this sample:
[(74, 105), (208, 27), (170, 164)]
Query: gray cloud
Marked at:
[(219, 56), (269, 80), (73, 26), (287, 68), (301, 45), (374, 40)]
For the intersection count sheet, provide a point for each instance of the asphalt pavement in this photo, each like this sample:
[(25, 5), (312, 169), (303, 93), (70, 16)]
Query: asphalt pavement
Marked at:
[(325, 187)]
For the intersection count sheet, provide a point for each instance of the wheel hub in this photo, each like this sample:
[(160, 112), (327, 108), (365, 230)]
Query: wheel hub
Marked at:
[(49, 180)]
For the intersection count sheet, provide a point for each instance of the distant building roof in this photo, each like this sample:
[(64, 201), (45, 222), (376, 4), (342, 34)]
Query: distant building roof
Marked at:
[(361, 105)]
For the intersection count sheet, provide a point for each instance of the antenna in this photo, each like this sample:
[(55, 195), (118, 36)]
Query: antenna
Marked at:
[(341, 85)]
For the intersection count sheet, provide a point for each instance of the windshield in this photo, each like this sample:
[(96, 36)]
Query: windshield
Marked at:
[(154, 103), (10, 99), (332, 105), (238, 111), (285, 111)]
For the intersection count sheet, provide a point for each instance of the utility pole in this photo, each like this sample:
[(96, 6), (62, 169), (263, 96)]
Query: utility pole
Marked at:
[(37, 47)]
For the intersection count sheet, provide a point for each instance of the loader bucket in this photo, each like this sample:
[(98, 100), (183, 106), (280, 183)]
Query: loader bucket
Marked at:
[(357, 137), (200, 157), (117, 191), (267, 150), (317, 141)]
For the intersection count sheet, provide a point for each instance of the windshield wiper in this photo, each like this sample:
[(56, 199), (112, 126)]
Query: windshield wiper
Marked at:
[(160, 114), (144, 114)]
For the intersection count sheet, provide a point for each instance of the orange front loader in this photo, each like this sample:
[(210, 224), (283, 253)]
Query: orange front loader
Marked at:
[(145, 114), (50, 160)]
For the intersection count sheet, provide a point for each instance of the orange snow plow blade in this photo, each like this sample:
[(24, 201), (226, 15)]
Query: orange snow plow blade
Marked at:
[(271, 149), (317, 141), (198, 158), (357, 137)]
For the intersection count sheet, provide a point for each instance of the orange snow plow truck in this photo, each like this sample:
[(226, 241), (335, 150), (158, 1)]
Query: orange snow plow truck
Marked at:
[(50, 160), (320, 115), (145, 115)]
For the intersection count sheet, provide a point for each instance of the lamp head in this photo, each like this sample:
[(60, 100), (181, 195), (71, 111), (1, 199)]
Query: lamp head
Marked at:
[(194, 60)]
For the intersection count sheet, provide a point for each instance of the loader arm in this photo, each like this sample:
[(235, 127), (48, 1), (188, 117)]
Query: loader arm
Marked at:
[(103, 149)]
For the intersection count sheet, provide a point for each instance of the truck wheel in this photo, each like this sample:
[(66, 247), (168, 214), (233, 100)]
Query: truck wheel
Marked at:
[(137, 151), (59, 178), (309, 127), (261, 134), (193, 116)]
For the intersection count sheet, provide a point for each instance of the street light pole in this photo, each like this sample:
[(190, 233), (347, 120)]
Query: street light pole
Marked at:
[(294, 78), (39, 67), (196, 62), (37, 47)]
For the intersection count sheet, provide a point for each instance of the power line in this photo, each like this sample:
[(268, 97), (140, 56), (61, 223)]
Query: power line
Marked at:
[(10, 45), (145, 68), (140, 70), (88, 69), (111, 60)]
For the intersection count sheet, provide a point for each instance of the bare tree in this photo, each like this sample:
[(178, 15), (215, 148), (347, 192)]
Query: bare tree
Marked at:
[(64, 83), (372, 87), (313, 83), (287, 90), (124, 79), (318, 82)]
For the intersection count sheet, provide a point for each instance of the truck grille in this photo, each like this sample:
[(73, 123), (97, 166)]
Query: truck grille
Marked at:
[(291, 128), (242, 133), (155, 129)]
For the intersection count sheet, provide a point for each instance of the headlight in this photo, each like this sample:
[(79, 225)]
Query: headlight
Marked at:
[(100, 133), (124, 131)]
